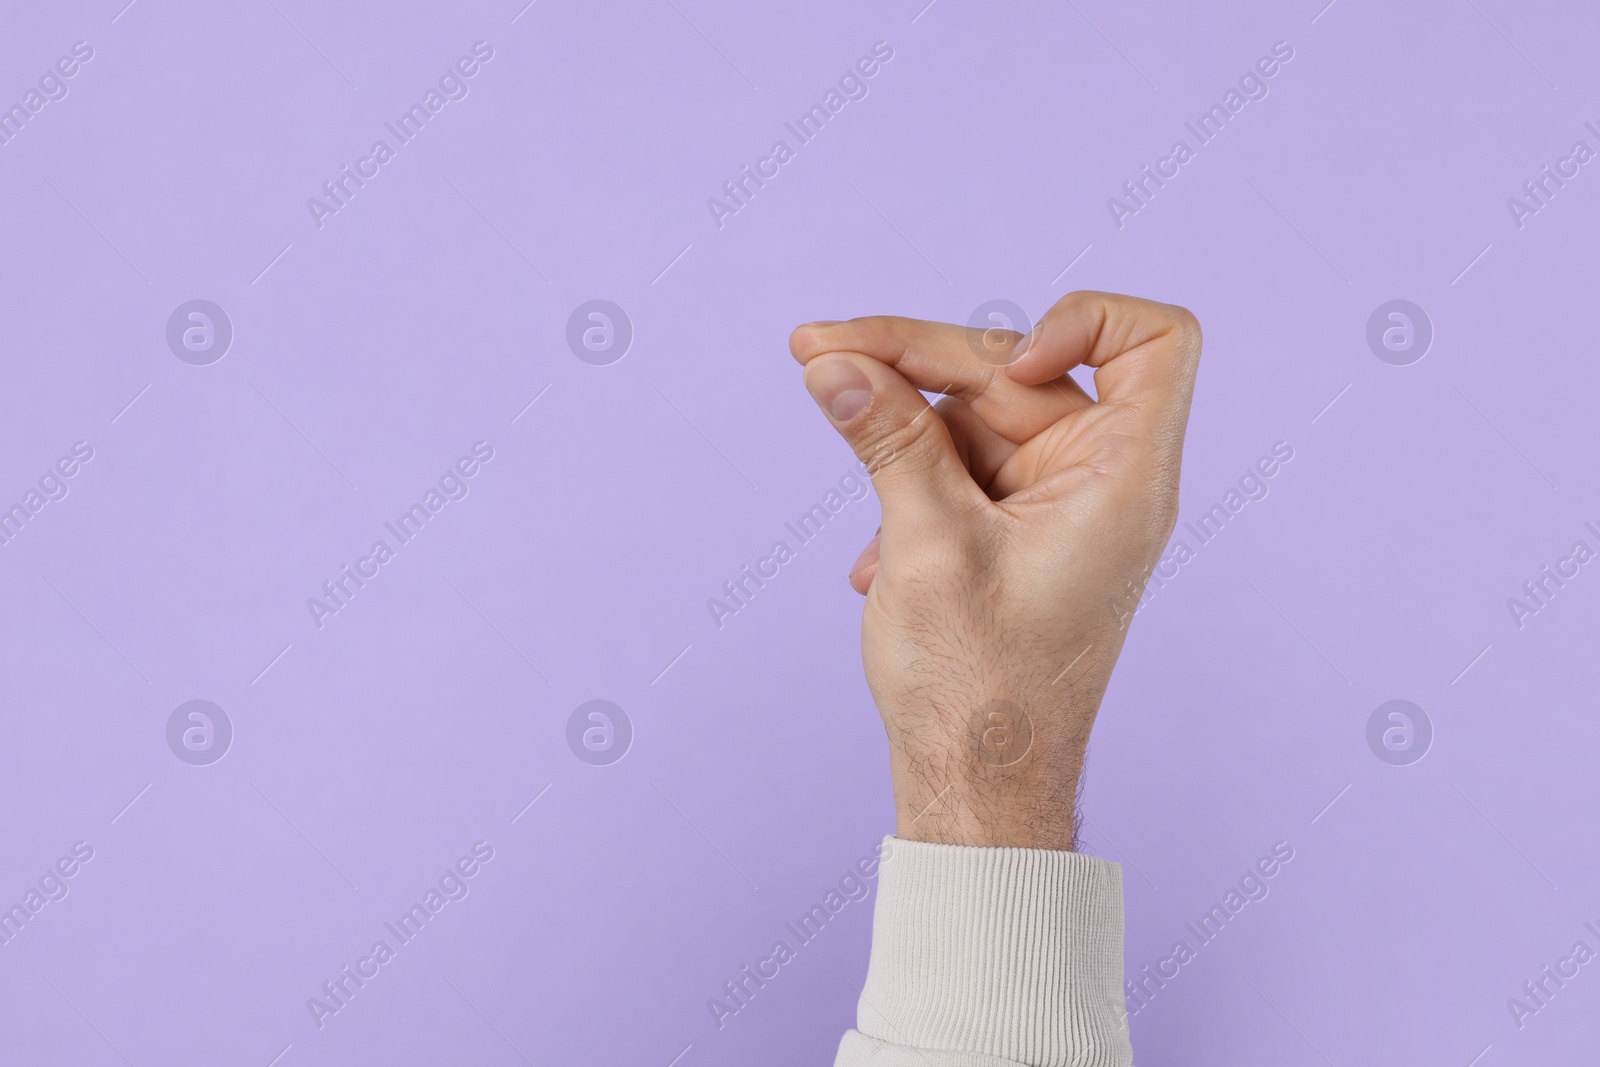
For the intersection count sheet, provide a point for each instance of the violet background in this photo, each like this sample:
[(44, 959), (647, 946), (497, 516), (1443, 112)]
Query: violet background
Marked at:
[(374, 751)]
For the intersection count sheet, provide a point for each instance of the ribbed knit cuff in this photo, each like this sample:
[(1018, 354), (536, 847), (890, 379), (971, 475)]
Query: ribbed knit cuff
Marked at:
[(992, 957)]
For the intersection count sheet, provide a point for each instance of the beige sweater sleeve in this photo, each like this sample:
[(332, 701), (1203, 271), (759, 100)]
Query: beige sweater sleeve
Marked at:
[(992, 957)]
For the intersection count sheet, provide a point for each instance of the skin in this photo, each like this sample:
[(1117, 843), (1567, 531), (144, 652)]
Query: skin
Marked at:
[(1020, 522)]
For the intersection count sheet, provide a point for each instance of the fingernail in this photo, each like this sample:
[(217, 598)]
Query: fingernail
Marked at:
[(869, 555), (839, 388), (825, 322)]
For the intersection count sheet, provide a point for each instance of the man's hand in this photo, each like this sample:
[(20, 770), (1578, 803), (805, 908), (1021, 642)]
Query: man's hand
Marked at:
[(1020, 522)]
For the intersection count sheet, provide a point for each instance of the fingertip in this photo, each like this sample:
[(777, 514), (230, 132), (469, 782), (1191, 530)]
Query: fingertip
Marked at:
[(861, 580), (1028, 363), (1057, 343), (810, 339), (1020, 351), (865, 566)]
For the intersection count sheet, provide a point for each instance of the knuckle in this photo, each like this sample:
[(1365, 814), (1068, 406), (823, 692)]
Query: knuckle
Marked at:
[(904, 447), (1160, 521), (1186, 327), (1165, 514), (1150, 508)]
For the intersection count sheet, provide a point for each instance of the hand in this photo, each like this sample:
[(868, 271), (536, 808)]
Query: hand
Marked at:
[(1020, 524)]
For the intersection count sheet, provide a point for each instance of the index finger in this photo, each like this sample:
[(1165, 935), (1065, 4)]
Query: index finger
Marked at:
[(1144, 353), (939, 357)]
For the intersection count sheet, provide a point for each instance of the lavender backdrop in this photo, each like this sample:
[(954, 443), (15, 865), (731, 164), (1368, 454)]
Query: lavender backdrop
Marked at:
[(184, 487)]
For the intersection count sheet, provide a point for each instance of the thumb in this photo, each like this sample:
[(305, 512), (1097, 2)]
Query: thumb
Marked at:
[(865, 567), (921, 482)]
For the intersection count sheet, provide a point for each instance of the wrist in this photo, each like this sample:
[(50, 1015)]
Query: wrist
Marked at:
[(1004, 775), (1014, 807), (1054, 830)]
